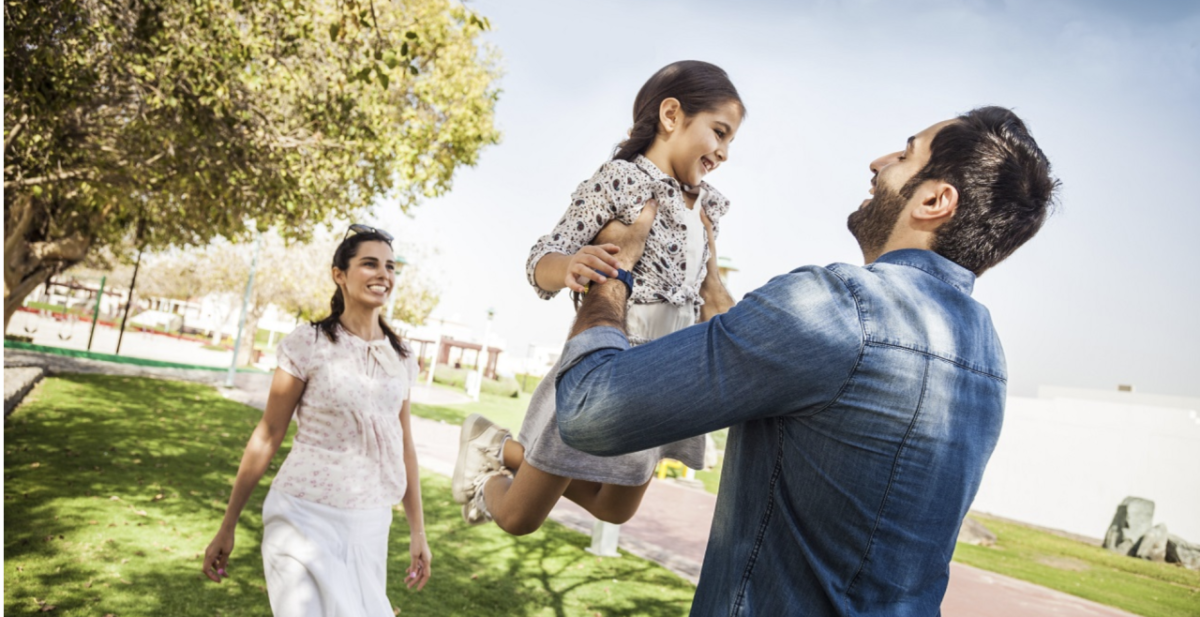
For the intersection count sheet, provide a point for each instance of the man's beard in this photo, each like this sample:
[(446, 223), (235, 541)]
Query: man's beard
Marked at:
[(873, 223)]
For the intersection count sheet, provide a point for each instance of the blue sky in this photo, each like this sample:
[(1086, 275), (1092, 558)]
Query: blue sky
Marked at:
[(1106, 294)]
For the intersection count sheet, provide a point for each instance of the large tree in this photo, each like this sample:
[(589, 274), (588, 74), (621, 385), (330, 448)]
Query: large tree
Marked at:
[(189, 120)]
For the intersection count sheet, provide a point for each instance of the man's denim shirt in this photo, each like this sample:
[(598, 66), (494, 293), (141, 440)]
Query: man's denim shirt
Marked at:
[(864, 404)]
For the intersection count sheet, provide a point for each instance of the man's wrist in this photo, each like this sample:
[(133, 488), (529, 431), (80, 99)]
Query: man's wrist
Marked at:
[(623, 276)]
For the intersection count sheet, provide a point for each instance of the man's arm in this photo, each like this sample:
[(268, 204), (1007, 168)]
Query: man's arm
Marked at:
[(716, 298), (604, 303), (787, 348)]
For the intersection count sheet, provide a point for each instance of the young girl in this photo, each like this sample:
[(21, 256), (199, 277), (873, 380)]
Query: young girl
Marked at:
[(327, 516), (685, 118)]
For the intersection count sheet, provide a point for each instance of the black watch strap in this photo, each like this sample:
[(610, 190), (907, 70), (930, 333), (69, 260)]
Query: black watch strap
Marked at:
[(622, 275)]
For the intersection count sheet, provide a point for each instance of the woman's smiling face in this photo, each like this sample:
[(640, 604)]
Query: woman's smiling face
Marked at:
[(370, 277)]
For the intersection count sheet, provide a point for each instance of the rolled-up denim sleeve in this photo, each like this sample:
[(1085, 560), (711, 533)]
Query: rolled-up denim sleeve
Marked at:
[(787, 348)]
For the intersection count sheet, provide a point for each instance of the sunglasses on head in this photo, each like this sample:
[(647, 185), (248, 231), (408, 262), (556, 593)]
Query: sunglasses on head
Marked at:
[(357, 228)]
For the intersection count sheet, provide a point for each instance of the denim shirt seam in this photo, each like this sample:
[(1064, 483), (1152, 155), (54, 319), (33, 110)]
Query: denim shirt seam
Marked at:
[(860, 314), (891, 481), (960, 363), (763, 524)]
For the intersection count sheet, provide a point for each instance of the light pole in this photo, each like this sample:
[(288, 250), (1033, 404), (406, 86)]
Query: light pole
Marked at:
[(482, 360), (242, 320)]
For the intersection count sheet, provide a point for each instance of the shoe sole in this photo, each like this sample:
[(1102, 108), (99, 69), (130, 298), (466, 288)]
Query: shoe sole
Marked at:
[(458, 484)]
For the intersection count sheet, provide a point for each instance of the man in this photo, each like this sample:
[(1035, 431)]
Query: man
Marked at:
[(864, 401)]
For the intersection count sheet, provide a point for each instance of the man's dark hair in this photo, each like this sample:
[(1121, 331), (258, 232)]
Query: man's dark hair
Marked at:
[(1005, 190), (698, 86)]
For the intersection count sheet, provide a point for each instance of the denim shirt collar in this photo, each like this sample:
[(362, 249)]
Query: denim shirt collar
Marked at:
[(934, 265)]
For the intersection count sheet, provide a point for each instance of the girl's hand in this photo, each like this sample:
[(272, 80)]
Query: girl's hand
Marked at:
[(583, 265), (216, 556), (418, 570)]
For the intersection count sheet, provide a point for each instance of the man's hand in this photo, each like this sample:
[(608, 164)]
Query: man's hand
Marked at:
[(630, 240)]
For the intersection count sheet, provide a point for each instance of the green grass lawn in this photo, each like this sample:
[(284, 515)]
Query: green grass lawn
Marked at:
[(503, 410), (114, 486), (1135, 585)]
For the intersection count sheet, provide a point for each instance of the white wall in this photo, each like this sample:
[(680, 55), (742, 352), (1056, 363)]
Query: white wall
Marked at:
[(1067, 459)]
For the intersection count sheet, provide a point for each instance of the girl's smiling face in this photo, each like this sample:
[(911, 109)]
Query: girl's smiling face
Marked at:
[(695, 146), (370, 276)]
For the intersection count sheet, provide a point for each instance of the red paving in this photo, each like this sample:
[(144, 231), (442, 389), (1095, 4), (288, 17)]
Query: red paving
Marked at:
[(673, 523)]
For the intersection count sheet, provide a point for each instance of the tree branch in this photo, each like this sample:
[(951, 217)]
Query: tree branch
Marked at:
[(55, 177)]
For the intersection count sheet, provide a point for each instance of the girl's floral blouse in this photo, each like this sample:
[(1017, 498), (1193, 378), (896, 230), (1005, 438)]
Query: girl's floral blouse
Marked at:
[(618, 191)]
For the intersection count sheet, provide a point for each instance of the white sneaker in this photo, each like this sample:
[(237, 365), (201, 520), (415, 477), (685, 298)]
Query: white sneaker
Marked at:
[(475, 511), (479, 445)]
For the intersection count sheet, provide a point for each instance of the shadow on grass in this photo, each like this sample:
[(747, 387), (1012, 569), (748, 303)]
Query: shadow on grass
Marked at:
[(115, 485)]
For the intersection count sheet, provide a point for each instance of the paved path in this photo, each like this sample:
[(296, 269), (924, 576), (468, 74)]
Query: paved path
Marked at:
[(672, 525)]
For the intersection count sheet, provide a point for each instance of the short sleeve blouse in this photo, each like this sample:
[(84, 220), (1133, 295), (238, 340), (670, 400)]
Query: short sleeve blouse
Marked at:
[(348, 451)]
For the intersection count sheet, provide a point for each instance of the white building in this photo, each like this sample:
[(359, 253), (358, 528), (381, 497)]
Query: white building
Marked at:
[(1067, 458)]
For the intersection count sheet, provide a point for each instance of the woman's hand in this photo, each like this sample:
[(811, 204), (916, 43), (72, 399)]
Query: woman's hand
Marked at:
[(583, 265), (418, 570), (216, 556)]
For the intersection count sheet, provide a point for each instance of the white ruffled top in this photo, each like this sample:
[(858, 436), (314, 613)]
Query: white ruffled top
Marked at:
[(348, 451)]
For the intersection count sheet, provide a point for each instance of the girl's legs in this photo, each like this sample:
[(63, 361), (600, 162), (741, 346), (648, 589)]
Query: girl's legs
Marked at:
[(520, 505)]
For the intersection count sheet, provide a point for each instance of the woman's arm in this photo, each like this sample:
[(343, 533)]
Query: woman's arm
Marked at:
[(264, 443), (418, 569), (716, 298)]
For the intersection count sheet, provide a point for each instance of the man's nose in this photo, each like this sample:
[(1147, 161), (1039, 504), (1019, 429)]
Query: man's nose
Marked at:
[(884, 161)]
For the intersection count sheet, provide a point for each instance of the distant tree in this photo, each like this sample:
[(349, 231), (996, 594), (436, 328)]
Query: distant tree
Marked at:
[(292, 276), (199, 119)]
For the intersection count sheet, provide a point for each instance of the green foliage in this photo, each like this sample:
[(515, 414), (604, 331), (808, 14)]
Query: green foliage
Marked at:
[(168, 452), (1091, 572), (181, 121)]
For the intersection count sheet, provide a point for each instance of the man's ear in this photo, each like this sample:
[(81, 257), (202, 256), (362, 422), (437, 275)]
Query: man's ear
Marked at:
[(670, 114), (938, 202)]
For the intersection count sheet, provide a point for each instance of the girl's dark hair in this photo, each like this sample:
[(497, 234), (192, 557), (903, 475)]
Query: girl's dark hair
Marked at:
[(699, 87), (337, 305)]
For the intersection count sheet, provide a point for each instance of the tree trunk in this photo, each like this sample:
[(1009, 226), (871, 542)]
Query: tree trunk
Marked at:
[(29, 264)]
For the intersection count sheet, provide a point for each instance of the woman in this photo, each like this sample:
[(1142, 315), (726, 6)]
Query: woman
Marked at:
[(327, 516)]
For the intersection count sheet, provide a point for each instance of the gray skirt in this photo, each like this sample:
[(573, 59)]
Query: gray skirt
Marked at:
[(545, 450)]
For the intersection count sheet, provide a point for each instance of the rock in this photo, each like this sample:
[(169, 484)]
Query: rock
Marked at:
[(1133, 519), (1153, 545), (1182, 552), (973, 532)]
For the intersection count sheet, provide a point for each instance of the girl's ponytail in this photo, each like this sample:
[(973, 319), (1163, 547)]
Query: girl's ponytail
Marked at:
[(645, 129)]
